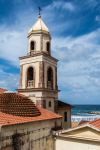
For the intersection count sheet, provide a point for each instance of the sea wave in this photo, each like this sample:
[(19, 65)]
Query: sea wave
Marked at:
[(88, 117)]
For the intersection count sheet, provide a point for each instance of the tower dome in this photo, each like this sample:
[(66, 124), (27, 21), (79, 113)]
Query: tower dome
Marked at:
[(39, 26), (39, 38)]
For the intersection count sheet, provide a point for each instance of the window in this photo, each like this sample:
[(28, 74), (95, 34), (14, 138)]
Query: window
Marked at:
[(48, 47), (50, 78), (49, 103), (30, 77), (65, 116), (32, 45)]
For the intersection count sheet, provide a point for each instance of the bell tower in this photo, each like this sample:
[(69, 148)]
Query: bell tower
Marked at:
[(39, 39), (38, 69)]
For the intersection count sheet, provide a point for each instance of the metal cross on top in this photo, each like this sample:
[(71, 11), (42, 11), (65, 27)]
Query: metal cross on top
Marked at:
[(39, 11)]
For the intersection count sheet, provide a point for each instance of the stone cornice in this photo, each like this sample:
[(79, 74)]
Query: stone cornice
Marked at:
[(38, 33), (38, 54), (37, 90)]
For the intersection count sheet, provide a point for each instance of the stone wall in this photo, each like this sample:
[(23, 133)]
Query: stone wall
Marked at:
[(29, 136), (65, 124)]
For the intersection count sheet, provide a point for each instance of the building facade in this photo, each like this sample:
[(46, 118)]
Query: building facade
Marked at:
[(83, 137), (24, 126), (38, 78), (38, 70)]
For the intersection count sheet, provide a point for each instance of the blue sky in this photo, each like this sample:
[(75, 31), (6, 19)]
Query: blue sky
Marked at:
[(75, 30)]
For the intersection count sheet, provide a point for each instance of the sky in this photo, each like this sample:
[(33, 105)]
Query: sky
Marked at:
[(75, 29)]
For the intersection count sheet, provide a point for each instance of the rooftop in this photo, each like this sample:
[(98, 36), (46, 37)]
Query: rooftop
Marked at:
[(63, 105), (16, 108), (95, 123), (39, 26), (6, 119), (18, 105)]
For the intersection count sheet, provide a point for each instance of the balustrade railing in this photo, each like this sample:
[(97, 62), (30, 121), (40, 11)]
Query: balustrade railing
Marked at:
[(49, 85), (31, 84)]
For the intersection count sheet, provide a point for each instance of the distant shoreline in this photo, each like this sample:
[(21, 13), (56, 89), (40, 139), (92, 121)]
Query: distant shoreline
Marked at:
[(87, 113), (86, 110), (93, 112)]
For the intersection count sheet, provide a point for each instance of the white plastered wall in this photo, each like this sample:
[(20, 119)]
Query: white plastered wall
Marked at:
[(30, 62), (70, 144), (37, 39), (40, 42), (53, 65), (34, 62), (65, 124), (45, 39)]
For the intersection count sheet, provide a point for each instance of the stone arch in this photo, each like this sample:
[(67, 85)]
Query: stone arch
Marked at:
[(30, 77), (50, 78)]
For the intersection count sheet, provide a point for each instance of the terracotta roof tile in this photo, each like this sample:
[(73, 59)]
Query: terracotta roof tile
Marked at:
[(16, 108), (95, 123), (16, 104), (6, 119)]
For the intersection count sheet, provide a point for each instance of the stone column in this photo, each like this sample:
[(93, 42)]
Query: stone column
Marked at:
[(56, 86), (41, 75), (21, 73)]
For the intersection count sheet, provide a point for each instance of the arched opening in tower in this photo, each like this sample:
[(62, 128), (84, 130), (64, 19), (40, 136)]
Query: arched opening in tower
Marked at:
[(50, 78), (48, 47), (30, 77), (32, 45)]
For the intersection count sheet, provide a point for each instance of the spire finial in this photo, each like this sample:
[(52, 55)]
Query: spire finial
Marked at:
[(39, 11)]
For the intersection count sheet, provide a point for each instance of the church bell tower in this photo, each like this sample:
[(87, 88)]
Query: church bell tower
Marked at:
[(38, 69)]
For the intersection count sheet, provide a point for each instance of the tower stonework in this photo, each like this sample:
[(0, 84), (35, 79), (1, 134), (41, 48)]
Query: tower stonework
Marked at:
[(38, 69), (38, 73)]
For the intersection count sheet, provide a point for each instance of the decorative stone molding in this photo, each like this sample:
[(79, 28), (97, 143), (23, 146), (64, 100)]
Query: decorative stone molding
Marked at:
[(38, 54)]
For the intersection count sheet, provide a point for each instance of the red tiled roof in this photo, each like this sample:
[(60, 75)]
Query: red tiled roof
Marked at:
[(6, 119), (18, 105), (16, 108), (2, 90), (95, 123)]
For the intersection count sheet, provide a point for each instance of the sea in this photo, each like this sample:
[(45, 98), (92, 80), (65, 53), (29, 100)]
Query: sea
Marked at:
[(85, 112)]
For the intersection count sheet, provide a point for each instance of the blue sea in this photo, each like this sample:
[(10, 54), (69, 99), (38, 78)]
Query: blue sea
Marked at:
[(83, 112)]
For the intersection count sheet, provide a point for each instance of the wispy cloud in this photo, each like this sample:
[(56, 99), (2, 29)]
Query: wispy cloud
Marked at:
[(97, 18), (81, 59), (68, 6), (12, 45), (8, 80)]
